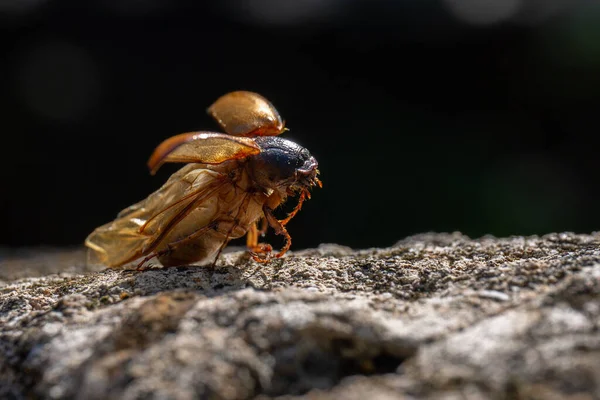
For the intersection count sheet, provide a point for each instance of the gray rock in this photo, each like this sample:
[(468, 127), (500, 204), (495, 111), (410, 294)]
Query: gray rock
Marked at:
[(436, 316)]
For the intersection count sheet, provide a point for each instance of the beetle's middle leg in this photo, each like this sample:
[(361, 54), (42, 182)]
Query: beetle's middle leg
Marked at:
[(173, 245), (236, 222), (252, 236), (254, 247)]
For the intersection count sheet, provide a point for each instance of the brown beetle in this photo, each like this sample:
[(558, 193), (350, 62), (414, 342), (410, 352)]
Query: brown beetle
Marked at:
[(231, 184)]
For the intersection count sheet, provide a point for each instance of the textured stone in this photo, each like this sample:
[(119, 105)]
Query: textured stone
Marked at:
[(434, 316)]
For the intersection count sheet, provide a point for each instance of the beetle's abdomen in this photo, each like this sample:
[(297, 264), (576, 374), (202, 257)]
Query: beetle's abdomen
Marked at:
[(199, 251)]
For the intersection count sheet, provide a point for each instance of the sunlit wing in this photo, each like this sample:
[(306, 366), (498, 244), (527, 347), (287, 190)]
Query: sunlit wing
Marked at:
[(201, 197), (139, 228), (201, 147), (244, 113)]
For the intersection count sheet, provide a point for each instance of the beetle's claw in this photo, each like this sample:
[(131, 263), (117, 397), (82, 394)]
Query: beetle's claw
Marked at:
[(261, 258), (262, 253)]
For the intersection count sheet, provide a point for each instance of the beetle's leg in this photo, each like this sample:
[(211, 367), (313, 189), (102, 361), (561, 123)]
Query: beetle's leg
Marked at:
[(303, 195), (142, 267), (254, 247), (173, 245), (260, 252), (279, 230), (235, 224), (252, 236)]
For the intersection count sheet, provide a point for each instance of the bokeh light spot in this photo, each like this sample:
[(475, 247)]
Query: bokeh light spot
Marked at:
[(285, 12), (483, 12), (536, 12)]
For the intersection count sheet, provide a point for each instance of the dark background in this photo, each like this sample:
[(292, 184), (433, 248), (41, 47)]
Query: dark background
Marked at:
[(439, 115)]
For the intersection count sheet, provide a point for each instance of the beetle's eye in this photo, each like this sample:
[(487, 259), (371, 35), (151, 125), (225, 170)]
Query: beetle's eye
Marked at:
[(305, 154)]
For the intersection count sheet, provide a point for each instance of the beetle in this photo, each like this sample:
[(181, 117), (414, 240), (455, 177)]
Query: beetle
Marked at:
[(230, 186)]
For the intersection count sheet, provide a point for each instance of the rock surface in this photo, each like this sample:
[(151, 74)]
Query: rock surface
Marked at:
[(436, 316)]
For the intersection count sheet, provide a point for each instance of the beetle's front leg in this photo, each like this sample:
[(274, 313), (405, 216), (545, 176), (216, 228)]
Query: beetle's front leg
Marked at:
[(261, 252), (279, 230), (305, 194)]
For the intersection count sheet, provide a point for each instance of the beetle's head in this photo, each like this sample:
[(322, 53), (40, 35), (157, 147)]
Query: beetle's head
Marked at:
[(283, 164)]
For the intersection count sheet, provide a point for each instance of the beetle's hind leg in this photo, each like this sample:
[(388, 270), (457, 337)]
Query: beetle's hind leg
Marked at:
[(142, 267)]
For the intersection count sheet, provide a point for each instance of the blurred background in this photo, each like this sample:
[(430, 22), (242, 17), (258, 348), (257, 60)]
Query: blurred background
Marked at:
[(477, 116)]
